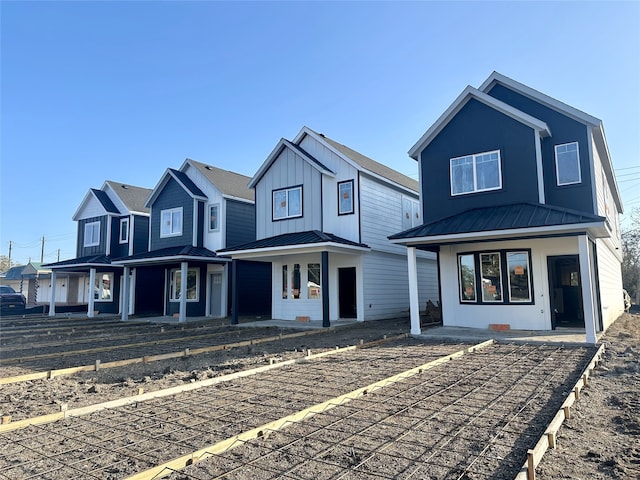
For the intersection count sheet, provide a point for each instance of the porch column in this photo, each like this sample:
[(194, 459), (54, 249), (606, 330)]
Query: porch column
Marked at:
[(414, 304), (234, 292), (52, 300), (125, 293), (588, 305), (184, 270), (92, 293), (324, 288)]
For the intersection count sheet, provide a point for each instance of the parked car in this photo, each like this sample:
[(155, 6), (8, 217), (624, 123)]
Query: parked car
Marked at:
[(10, 299), (627, 300)]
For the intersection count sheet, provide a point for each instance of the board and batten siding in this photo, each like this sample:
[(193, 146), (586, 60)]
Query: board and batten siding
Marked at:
[(386, 280), (240, 221), (101, 248), (610, 283), (289, 170), (172, 196), (140, 233)]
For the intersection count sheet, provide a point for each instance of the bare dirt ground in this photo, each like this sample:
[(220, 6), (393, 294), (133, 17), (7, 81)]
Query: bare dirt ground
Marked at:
[(602, 439)]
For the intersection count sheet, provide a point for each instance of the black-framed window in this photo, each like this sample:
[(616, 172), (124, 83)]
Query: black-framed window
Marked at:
[(501, 277), (345, 198), (287, 203)]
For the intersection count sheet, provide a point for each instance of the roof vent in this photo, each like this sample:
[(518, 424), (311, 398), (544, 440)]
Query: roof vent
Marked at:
[(124, 186), (207, 167)]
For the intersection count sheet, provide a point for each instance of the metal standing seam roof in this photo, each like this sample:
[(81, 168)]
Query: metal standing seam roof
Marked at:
[(503, 217), (229, 183), (105, 201), (180, 251), (134, 198), (293, 239), (100, 259)]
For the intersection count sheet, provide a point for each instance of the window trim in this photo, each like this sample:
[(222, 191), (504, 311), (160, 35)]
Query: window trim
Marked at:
[(171, 211), (172, 288), (99, 280), (287, 190), (504, 273), (475, 178), (126, 239), (91, 225), (555, 150), (353, 209), (214, 205)]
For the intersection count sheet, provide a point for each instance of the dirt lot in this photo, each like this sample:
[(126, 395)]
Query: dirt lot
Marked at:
[(600, 441)]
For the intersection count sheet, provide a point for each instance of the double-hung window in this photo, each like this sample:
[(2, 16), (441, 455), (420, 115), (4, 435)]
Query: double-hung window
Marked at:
[(567, 164), (287, 203), (476, 173), (193, 282), (91, 234), (171, 222), (124, 230)]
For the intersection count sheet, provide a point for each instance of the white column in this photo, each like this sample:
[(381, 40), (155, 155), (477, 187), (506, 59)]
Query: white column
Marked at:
[(184, 268), (588, 305), (125, 293), (92, 294), (414, 304), (52, 300)]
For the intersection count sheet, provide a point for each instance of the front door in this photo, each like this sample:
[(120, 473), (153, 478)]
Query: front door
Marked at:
[(215, 295), (347, 292), (565, 291)]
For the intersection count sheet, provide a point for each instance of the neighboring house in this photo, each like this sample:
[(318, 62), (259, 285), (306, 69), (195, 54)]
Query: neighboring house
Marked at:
[(113, 222), (521, 203), (195, 211), (323, 215), (30, 280)]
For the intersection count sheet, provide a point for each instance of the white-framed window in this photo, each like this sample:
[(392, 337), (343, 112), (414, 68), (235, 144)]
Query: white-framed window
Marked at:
[(124, 230), (171, 222), (91, 234), (287, 203), (193, 283), (519, 280), (313, 281), (568, 164), (102, 289), (214, 217), (345, 197), (476, 173)]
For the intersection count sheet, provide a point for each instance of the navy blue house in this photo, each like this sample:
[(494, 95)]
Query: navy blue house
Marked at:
[(113, 222), (520, 202)]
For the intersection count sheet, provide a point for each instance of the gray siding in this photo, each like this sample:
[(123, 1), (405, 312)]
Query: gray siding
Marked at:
[(140, 234), (240, 221), (172, 196), (98, 249)]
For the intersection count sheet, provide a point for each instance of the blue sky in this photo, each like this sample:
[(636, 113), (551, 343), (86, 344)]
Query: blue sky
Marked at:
[(95, 91)]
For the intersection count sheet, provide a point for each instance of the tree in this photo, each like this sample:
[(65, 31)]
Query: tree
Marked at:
[(6, 263), (631, 253)]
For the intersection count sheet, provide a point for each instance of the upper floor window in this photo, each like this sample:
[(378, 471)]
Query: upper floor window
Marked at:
[(124, 230), (567, 164), (171, 222), (410, 213), (92, 234), (214, 217), (345, 197), (476, 173), (287, 203)]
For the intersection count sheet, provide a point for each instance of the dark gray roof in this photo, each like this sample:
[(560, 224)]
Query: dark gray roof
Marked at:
[(180, 251), (14, 273), (88, 260), (503, 217), (229, 183), (296, 238), (372, 166), (106, 202), (188, 183), (133, 197)]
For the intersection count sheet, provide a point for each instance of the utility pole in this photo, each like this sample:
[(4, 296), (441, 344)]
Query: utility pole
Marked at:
[(42, 251), (10, 245), (58, 255)]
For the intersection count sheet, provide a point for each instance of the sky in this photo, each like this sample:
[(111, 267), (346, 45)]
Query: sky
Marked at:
[(95, 91)]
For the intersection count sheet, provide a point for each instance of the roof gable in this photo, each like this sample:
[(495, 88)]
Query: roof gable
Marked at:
[(471, 93), (230, 184), (133, 198), (182, 179), (100, 198)]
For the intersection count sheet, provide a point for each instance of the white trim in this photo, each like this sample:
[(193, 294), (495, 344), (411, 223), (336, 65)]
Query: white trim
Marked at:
[(209, 206), (296, 249), (163, 260), (93, 243), (108, 240), (555, 151), (162, 183), (126, 240), (588, 302), (171, 211), (475, 171), (194, 229), (414, 303), (132, 228), (183, 280), (539, 170), (91, 300), (592, 172)]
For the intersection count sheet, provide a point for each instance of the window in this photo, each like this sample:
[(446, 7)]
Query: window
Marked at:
[(487, 270), (287, 203), (518, 268), (193, 281), (214, 217), (345, 197), (124, 230), (313, 281), (567, 164), (102, 287), (91, 234), (171, 222), (295, 281), (476, 173), (285, 282)]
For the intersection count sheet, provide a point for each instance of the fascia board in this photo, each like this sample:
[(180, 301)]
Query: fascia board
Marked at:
[(156, 190), (605, 157), (238, 199), (296, 249), (468, 93), (115, 198), (397, 186), (89, 194), (540, 97), (83, 265), (191, 194), (328, 146)]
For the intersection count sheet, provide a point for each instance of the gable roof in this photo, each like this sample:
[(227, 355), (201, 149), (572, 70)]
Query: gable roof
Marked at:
[(132, 197), (230, 184), (183, 180), (362, 162), (471, 93), (105, 201), (282, 144), (81, 262)]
